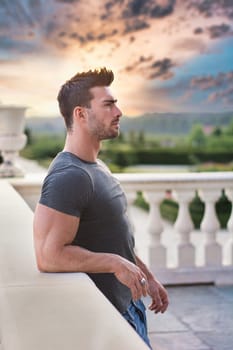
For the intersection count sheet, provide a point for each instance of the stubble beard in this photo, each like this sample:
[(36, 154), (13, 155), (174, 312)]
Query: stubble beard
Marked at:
[(100, 131)]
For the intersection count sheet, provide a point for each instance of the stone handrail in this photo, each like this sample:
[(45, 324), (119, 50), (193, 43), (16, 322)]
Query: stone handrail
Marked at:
[(49, 311), (182, 241)]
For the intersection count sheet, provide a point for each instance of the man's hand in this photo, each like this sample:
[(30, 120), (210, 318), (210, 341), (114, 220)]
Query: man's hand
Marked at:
[(132, 276), (158, 295)]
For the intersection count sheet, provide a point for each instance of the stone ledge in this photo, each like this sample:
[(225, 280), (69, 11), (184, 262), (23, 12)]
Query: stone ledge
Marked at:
[(49, 311), (198, 275)]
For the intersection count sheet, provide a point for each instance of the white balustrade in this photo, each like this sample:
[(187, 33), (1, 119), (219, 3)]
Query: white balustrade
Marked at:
[(200, 254)]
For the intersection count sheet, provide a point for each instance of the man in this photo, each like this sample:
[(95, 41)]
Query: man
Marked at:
[(81, 222)]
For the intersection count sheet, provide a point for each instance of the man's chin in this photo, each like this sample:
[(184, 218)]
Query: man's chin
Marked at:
[(112, 136)]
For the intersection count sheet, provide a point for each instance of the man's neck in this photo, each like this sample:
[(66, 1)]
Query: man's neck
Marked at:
[(87, 151)]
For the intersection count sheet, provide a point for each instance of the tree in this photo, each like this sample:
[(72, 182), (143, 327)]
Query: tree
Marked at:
[(217, 131), (197, 136), (141, 138), (229, 129)]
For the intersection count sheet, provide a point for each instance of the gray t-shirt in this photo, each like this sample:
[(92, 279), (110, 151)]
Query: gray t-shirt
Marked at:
[(89, 191)]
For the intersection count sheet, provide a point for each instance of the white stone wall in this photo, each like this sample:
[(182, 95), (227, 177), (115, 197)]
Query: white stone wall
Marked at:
[(49, 311)]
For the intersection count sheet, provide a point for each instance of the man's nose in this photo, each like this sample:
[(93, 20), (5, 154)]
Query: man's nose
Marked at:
[(118, 112)]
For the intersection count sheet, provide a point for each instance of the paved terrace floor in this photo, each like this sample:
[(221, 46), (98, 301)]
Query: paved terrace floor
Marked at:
[(198, 318)]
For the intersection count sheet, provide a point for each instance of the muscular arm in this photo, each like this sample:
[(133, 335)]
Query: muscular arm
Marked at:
[(155, 289), (54, 233)]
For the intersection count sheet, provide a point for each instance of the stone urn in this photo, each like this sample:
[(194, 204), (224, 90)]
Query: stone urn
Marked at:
[(12, 139)]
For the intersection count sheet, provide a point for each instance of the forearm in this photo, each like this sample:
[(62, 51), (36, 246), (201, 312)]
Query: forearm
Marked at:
[(144, 268), (76, 259)]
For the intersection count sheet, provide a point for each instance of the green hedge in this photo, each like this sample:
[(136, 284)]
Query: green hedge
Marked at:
[(163, 156)]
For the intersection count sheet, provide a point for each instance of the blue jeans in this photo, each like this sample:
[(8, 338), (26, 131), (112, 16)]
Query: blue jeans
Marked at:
[(136, 316)]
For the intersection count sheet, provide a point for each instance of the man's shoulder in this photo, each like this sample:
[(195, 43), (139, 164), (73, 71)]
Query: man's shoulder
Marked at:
[(66, 170)]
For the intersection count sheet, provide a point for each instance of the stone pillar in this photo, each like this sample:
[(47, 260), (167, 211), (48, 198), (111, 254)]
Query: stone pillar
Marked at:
[(184, 226), (210, 225), (229, 193), (157, 252), (12, 138), (131, 196)]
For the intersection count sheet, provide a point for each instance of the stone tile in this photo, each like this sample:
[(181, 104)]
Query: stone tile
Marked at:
[(219, 340), (189, 300), (209, 318), (177, 341), (166, 322), (225, 292), (198, 318)]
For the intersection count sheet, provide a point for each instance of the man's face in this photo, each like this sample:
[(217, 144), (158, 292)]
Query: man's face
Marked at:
[(103, 114)]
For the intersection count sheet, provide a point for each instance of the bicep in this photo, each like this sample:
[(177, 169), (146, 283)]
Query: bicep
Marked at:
[(53, 230)]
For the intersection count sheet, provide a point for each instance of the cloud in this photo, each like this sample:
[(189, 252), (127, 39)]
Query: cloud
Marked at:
[(149, 8), (198, 30), (137, 65), (209, 8), (217, 31), (135, 25), (189, 44), (12, 46), (209, 82), (225, 96), (219, 88), (162, 69), (68, 1), (159, 69)]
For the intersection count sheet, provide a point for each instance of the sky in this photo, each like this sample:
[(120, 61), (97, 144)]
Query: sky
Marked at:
[(167, 55)]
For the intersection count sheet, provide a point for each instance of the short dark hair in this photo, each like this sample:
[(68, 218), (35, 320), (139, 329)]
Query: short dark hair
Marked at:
[(75, 92)]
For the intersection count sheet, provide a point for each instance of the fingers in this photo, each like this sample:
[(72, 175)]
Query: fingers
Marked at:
[(158, 307), (133, 277), (138, 288), (159, 304)]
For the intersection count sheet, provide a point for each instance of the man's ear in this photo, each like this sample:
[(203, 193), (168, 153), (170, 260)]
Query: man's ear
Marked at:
[(79, 112)]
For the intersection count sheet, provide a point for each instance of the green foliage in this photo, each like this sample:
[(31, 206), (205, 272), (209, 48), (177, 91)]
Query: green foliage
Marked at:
[(229, 129), (43, 147), (140, 201), (217, 131), (28, 133), (223, 209), (169, 209), (197, 136), (196, 209)]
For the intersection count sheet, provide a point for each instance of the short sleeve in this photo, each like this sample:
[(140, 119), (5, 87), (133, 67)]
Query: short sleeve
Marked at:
[(68, 190)]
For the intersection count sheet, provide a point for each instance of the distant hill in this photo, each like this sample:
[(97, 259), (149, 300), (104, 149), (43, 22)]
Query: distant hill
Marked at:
[(154, 123), (174, 123), (46, 125)]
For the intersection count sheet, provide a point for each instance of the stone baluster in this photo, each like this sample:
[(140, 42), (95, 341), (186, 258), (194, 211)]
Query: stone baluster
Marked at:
[(184, 226), (210, 226), (229, 193), (131, 196), (157, 252)]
